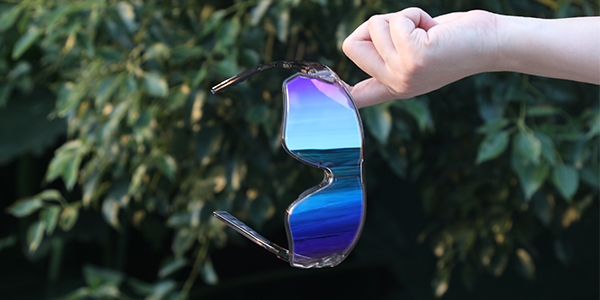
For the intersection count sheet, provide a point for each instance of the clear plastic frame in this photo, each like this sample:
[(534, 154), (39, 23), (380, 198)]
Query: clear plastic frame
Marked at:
[(322, 128)]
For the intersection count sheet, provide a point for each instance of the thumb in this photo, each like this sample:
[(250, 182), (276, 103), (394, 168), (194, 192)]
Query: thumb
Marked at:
[(370, 92)]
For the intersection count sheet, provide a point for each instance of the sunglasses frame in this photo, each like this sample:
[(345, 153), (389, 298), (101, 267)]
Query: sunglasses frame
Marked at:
[(308, 70)]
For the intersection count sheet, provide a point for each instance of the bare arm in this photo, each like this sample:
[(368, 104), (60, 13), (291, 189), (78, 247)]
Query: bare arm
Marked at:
[(558, 48), (408, 53)]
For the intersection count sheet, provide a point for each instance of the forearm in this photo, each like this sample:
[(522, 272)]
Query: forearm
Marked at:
[(558, 48), (408, 53)]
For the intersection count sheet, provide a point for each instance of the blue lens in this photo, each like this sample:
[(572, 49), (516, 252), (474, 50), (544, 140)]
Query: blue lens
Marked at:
[(322, 128)]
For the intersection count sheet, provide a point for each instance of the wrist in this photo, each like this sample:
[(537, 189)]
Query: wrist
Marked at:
[(503, 58), (511, 39), (489, 31)]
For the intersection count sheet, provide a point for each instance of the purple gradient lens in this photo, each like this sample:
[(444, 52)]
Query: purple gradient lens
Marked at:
[(322, 128)]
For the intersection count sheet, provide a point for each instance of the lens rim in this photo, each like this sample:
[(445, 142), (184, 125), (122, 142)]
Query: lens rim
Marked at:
[(326, 76)]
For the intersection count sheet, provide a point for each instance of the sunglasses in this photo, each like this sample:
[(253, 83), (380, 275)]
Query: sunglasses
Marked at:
[(322, 128)]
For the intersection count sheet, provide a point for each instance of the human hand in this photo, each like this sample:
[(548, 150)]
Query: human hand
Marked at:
[(409, 53)]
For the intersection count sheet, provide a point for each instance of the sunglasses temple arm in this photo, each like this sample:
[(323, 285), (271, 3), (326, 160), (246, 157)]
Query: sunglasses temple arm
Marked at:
[(252, 235), (241, 77)]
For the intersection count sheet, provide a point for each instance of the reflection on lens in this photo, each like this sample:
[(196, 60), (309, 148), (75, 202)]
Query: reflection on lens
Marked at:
[(322, 128)]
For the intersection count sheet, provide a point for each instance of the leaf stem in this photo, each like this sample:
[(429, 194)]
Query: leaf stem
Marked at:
[(201, 251)]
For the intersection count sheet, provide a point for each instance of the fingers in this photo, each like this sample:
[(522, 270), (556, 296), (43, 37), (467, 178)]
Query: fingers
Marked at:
[(410, 26), (379, 30), (378, 46), (359, 48), (370, 92)]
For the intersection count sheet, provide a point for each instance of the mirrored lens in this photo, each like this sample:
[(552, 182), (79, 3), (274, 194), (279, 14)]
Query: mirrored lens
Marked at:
[(322, 128)]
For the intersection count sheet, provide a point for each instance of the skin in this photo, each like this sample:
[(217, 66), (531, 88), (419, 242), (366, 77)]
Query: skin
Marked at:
[(409, 53)]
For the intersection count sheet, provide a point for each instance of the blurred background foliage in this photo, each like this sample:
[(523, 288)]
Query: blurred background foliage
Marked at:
[(114, 154)]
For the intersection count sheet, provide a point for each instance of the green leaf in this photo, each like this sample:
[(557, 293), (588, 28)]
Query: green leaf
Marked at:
[(594, 127), (25, 41), (24, 207), (136, 178), (226, 67), (258, 11), (35, 234), (531, 177), (526, 263), (167, 165), (69, 97), (50, 217), (176, 100), (207, 272), (213, 21), (417, 107), (492, 146), (110, 211), (250, 58), (179, 220), (182, 242), (379, 122), (158, 50), (541, 111), (236, 170), (23, 22), (107, 88), (139, 287), (58, 16), (82, 293), (228, 33), (493, 126), (560, 252), (440, 282), (90, 187), (547, 148), (590, 175), (9, 16), (155, 84), (20, 69), (50, 195), (5, 92), (528, 146), (283, 24), (543, 208), (68, 217), (127, 14), (8, 241), (498, 263), (61, 159), (566, 180), (181, 54), (490, 110), (162, 290), (172, 267), (71, 173), (195, 209), (96, 276), (200, 75)]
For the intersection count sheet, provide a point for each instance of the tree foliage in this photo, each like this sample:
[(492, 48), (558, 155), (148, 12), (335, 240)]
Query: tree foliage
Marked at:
[(499, 158)]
